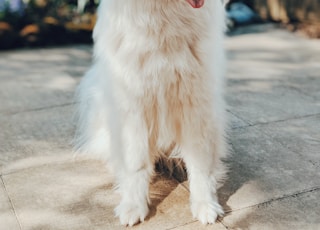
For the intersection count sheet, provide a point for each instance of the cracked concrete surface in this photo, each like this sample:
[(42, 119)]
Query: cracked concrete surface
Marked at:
[(273, 92)]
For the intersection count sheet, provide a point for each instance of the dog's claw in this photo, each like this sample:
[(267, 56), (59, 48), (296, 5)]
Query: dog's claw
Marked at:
[(206, 213), (131, 214)]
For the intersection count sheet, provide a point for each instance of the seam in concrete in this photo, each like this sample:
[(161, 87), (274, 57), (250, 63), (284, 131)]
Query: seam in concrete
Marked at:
[(224, 225), (177, 227), (183, 185), (39, 109), (195, 221), (11, 203), (286, 196), (302, 92), (279, 121), (240, 118)]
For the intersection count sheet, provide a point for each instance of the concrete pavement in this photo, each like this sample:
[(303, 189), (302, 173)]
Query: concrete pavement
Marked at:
[(273, 93)]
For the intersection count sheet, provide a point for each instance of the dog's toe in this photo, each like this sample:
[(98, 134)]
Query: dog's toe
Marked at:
[(206, 213), (131, 214)]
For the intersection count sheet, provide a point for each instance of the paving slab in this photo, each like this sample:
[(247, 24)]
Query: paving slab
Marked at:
[(262, 168), (33, 79), (35, 137), (55, 90), (286, 213), (60, 195), (273, 76), (301, 136)]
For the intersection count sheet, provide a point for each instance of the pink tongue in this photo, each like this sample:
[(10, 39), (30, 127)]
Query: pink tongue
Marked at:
[(196, 3)]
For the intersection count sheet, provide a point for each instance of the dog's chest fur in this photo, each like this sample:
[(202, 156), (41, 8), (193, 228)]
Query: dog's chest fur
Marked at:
[(157, 55)]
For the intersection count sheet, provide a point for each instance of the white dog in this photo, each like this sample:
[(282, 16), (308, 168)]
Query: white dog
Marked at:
[(157, 82)]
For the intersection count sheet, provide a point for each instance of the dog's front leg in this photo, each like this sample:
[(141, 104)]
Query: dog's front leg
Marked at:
[(134, 174), (202, 161)]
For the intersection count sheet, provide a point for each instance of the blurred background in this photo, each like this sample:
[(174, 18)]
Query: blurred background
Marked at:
[(34, 23)]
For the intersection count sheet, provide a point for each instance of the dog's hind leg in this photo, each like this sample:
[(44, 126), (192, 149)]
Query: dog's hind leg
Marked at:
[(134, 176)]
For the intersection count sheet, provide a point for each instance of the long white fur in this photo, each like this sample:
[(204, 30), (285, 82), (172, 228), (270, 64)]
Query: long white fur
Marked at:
[(156, 81)]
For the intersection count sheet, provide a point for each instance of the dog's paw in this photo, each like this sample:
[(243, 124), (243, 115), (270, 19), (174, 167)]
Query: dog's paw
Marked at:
[(131, 214), (206, 213)]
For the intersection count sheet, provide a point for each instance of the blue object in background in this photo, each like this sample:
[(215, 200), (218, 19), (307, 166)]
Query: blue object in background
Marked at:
[(240, 13)]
